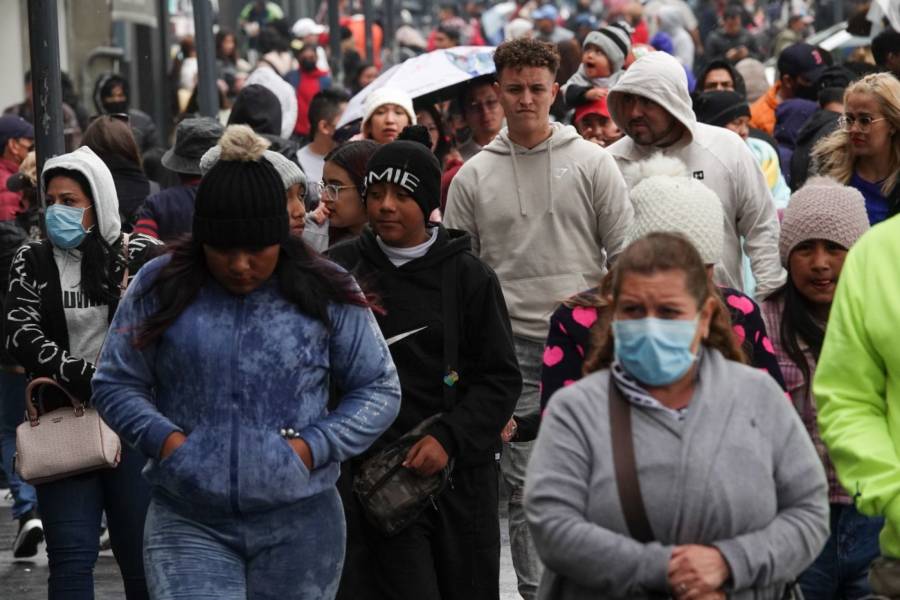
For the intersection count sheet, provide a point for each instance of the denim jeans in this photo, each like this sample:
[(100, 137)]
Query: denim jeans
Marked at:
[(70, 511), (12, 413), (295, 551), (513, 463), (842, 569)]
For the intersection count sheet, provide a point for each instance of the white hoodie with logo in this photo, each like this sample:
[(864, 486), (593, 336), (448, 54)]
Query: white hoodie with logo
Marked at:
[(545, 219), (716, 156)]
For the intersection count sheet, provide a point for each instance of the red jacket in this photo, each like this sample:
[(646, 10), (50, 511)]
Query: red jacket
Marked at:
[(309, 85), (10, 202)]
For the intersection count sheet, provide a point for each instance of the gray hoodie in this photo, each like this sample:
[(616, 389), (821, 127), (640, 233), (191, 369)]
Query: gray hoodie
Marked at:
[(86, 322), (717, 157), (545, 219)]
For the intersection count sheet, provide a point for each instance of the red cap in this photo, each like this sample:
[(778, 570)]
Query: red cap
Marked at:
[(597, 107)]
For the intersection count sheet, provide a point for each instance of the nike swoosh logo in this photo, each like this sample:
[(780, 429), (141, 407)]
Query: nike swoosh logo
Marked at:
[(406, 334)]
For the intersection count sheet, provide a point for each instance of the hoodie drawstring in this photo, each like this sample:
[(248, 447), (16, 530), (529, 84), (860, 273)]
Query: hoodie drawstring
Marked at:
[(512, 151), (550, 172)]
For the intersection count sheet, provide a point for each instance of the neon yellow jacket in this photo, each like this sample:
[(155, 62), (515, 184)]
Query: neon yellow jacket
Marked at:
[(857, 382)]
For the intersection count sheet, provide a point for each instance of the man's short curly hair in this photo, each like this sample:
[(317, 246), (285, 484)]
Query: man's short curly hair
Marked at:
[(526, 52)]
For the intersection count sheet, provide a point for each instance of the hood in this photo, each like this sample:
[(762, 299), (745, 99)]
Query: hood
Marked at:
[(449, 242), (106, 203), (102, 86), (561, 135), (661, 78), (258, 108), (790, 117), (821, 119), (669, 19)]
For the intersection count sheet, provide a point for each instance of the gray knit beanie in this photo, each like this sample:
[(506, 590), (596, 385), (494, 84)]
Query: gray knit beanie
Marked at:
[(614, 41), (823, 209), (242, 135), (666, 198)]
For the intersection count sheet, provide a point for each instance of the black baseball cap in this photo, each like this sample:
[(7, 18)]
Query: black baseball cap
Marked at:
[(803, 59), (14, 127)]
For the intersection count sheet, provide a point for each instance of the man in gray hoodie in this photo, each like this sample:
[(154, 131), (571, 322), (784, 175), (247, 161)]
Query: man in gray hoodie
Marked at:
[(545, 209), (652, 105)]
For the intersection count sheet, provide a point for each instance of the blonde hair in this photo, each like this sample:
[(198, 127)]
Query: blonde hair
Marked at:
[(831, 156)]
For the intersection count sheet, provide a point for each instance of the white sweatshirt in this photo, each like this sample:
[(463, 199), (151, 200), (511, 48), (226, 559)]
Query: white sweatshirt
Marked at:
[(545, 219)]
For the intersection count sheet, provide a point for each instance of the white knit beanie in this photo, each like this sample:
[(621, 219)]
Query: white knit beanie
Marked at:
[(666, 198), (387, 95), (613, 41)]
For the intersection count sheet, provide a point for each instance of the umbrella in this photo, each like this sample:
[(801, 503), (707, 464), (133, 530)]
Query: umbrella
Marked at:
[(438, 74)]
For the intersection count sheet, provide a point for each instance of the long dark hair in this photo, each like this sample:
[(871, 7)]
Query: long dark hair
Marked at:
[(353, 158), (306, 279), (798, 324), (112, 139), (100, 262)]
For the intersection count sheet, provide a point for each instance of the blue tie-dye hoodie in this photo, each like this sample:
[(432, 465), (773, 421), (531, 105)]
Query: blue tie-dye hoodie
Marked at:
[(233, 371)]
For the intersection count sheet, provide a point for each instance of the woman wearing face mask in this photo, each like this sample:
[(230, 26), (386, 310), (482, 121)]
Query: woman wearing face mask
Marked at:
[(63, 292), (341, 191), (864, 152), (669, 364), (240, 139), (823, 220), (218, 368), (437, 296), (386, 113), (666, 199)]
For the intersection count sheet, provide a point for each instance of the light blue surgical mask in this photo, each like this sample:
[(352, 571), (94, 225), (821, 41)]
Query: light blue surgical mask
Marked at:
[(64, 226), (655, 351)]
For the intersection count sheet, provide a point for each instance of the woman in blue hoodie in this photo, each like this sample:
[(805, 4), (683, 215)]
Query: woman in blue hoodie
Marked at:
[(217, 368), (63, 292)]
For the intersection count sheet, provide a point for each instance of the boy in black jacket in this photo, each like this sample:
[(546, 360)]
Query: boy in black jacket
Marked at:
[(426, 279)]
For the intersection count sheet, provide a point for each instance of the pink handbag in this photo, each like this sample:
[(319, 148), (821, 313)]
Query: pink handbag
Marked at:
[(64, 442)]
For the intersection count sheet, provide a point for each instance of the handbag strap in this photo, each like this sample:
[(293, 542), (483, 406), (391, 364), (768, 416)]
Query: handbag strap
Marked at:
[(32, 411), (451, 330), (626, 467)]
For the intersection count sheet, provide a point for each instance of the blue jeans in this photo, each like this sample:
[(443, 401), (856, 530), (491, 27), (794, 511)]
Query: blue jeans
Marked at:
[(295, 551), (12, 413), (513, 463), (70, 511), (842, 569)]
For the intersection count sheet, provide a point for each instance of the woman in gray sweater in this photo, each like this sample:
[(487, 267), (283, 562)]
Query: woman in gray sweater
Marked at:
[(734, 493)]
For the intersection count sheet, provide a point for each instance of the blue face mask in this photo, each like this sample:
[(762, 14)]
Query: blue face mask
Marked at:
[(655, 351), (64, 226)]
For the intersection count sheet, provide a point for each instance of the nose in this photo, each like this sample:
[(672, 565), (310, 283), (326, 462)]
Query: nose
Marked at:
[(819, 261), (239, 263), (388, 203)]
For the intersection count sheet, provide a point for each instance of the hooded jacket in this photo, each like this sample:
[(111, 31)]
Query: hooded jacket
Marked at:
[(716, 156), (820, 124), (266, 76), (546, 219), (142, 126), (50, 326), (413, 297), (230, 373)]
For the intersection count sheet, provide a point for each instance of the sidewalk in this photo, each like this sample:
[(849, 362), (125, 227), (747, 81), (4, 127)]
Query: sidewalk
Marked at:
[(27, 580)]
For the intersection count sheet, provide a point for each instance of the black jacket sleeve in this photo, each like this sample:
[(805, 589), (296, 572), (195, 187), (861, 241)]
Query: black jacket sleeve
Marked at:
[(25, 325), (575, 95), (490, 382)]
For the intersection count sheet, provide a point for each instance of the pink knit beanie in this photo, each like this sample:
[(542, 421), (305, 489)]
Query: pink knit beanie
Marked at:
[(823, 209)]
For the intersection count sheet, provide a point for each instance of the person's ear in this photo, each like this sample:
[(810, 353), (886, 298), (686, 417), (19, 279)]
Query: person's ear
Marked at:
[(554, 91), (706, 316)]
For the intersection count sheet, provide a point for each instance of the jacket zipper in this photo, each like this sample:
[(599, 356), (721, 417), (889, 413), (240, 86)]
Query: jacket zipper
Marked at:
[(236, 409)]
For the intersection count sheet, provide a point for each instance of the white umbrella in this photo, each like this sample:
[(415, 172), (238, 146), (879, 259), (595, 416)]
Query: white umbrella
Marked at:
[(429, 73)]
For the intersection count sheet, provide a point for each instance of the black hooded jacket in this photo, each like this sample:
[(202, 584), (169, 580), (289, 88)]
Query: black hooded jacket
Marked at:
[(142, 126), (259, 109), (413, 296), (820, 124)]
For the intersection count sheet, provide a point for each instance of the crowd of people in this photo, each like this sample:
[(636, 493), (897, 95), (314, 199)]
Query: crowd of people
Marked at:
[(626, 285)]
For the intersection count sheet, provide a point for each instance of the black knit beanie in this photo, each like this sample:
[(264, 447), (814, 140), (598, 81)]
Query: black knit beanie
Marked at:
[(410, 163), (241, 203), (720, 108)]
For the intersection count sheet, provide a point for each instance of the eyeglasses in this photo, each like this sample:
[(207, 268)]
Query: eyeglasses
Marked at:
[(331, 190), (486, 106), (847, 122)]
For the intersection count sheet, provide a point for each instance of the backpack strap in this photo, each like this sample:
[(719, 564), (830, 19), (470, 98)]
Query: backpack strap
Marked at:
[(626, 467), (450, 305)]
